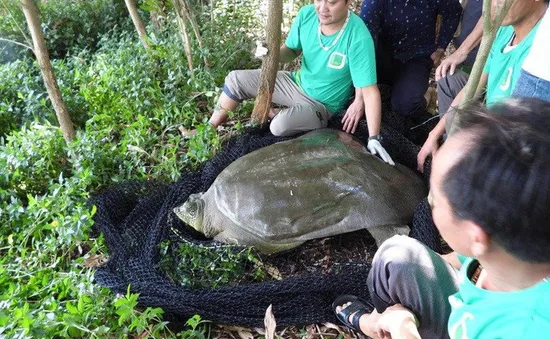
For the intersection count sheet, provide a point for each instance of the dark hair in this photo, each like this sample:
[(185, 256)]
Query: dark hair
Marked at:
[(502, 183)]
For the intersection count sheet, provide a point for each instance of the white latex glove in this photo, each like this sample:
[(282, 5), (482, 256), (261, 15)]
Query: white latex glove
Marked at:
[(261, 50), (375, 147)]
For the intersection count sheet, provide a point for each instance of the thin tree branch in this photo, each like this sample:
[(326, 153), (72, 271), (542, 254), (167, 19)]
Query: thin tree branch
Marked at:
[(21, 30), (490, 28), (17, 43)]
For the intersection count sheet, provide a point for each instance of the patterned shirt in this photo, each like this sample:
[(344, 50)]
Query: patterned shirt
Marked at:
[(408, 26)]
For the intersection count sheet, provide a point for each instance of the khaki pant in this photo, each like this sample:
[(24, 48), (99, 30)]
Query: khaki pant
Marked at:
[(301, 113)]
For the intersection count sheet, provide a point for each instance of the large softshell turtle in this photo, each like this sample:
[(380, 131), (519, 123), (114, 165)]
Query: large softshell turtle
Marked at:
[(320, 184)]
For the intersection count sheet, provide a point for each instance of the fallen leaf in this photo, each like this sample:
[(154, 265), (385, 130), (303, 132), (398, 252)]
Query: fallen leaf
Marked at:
[(310, 331), (187, 133), (136, 149), (333, 326), (270, 323), (95, 260), (245, 334), (272, 271)]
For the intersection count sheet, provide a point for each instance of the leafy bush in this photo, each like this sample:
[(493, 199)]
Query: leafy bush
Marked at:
[(32, 160), (195, 267), (67, 25), (22, 95), (46, 286), (127, 104)]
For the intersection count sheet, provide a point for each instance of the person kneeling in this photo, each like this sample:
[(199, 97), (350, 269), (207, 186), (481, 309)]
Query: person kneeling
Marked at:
[(490, 195), (337, 56)]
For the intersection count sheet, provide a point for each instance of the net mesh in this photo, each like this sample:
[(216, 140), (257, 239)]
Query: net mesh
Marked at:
[(136, 218)]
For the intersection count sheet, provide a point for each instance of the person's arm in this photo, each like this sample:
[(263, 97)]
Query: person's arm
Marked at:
[(287, 54), (353, 115), (373, 108), (373, 113), (432, 142), (452, 61), (292, 47), (399, 322), (367, 99)]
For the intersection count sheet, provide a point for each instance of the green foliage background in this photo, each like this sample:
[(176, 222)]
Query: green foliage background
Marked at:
[(126, 103)]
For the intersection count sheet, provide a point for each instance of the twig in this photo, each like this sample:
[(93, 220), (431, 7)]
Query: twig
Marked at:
[(17, 43), (12, 17)]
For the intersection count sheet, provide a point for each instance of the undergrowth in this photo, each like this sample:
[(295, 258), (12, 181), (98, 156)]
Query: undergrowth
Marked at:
[(127, 104), (196, 267)]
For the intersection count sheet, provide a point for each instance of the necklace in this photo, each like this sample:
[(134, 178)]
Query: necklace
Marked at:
[(326, 48)]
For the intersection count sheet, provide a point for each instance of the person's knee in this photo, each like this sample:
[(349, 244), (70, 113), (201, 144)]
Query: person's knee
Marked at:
[(444, 83), (393, 260), (405, 104), (231, 77), (231, 80), (280, 128), (448, 88), (398, 251), (451, 84)]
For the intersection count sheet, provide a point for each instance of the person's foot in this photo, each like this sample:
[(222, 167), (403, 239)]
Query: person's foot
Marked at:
[(353, 313), (339, 309)]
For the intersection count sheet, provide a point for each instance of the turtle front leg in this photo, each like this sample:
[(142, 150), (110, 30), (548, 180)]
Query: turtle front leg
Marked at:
[(383, 233)]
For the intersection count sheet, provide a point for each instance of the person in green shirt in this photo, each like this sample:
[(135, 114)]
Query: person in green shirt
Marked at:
[(337, 57), (502, 69), (490, 187)]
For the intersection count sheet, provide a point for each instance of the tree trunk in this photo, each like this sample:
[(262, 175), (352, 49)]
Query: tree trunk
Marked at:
[(270, 65), (183, 11), (140, 28), (43, 58), (490, 28), (186, 42)]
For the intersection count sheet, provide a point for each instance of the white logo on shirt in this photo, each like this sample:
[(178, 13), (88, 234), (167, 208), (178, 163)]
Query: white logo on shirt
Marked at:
[(459, 329), (505, 85), (337, 60)]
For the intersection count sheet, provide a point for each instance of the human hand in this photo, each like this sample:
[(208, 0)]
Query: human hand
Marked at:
[(353, 115), (261, 50), (375, 147), (449, 64), (429, 148), (437, 55), (397, 321)]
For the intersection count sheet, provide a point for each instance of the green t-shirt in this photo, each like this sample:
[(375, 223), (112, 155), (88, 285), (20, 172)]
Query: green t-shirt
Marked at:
[(478, 313), (331, 76), (503, 68)]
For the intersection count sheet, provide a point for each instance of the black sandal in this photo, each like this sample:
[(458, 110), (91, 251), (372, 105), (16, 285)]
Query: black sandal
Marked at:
[(358, 307)]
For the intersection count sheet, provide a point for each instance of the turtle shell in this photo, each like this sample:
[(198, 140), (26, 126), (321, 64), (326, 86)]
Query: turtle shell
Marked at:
[(320, 184)]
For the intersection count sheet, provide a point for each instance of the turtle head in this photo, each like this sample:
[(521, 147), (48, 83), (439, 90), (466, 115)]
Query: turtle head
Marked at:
[(192, 212)]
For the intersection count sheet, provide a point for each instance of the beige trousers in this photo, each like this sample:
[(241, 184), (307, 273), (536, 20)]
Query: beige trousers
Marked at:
[(301, 112)]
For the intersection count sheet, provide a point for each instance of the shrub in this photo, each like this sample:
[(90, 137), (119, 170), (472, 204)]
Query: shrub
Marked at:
[(22, 95), (67, 25), (127, 104)]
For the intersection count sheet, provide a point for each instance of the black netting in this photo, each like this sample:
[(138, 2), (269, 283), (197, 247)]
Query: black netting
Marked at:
[(136, 217)]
